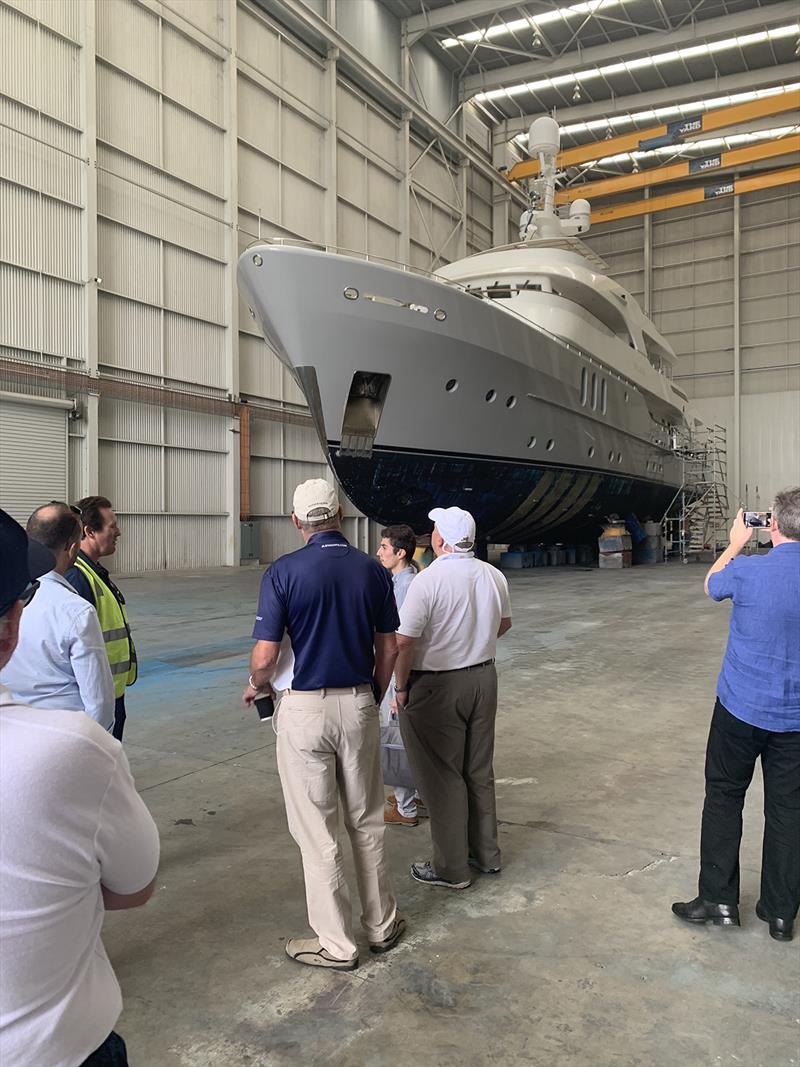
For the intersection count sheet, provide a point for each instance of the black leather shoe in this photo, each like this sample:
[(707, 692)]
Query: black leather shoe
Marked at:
[(780, 929), (705, 911)]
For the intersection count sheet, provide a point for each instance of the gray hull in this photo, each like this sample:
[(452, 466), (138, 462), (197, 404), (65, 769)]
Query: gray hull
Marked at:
[(480, 408)]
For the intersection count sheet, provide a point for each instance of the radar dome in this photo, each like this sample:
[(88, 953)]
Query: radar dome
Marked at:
[(543, 136)]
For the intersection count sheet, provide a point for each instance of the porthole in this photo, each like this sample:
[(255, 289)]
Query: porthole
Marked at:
[(257, 260), (511, 402), (440, 314), (627, 398), (451, 385), (491, 396), (619, 457), (603, 396), (610, 457), (584, 386), (531, 442), (550, 444), (350, 293), (591, 451), (594, 391)]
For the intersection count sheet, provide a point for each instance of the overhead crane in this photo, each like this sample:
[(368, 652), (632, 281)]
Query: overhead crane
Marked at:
[(666, 134), (701, 193), (734, 157)]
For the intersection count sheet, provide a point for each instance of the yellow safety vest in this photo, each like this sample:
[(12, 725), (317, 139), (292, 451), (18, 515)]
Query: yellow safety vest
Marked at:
[(116, 632)]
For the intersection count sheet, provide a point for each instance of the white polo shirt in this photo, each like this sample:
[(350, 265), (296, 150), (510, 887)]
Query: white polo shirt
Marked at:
[(454, 608), (71, 819)]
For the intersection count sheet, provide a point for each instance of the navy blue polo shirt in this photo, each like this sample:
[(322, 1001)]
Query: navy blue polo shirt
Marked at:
[(760, 678), (330, 598)]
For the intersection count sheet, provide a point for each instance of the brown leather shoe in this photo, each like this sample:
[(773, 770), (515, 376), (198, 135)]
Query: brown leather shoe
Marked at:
[(392, 815)]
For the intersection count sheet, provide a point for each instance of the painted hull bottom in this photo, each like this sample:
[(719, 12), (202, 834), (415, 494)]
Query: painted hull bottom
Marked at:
[(510, 502)]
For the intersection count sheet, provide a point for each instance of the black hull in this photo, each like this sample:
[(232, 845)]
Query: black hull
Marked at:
[(510, 501)]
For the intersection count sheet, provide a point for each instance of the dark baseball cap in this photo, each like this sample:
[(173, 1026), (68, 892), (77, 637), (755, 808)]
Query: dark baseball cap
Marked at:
[(21, 561)]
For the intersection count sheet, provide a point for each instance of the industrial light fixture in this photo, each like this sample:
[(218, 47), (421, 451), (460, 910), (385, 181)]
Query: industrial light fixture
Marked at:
[(577, 94), (635, 168), (610, 122), (537, 41), (797, 47), (573, 11), (609, 134), (645, 61)]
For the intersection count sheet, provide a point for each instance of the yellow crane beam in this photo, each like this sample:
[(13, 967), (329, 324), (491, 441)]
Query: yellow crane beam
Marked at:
[(666, 134), (736, 157), (732, 187)]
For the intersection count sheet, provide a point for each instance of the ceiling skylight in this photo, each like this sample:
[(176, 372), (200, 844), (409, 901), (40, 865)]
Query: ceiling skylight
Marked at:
[(644, 61), (613, 122), (541, 19)]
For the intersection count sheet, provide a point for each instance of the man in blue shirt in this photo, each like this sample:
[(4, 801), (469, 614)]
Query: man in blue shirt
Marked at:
[(757, 713), (338, 608)]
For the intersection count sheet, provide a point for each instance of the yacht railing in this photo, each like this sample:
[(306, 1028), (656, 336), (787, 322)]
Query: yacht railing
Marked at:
[(367, 257)]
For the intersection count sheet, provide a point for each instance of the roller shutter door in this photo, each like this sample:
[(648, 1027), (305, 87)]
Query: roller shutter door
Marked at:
[(33, 455)]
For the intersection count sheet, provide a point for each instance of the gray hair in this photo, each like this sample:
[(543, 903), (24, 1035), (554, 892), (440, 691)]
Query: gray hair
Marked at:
[(322, 525), (786, 512)]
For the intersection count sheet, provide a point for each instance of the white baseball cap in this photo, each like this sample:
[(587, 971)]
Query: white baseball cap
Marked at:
[(315, 501), (456, 526)]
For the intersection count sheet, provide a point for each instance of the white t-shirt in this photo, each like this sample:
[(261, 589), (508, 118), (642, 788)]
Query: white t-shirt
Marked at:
[(454, 608), (71, 819)]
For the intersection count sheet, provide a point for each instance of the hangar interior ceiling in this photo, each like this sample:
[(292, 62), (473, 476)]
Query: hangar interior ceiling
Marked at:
[(145, 144)]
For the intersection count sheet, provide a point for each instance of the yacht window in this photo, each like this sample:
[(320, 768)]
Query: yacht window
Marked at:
[(603, 396), (584, 386), (656, 355), (594, 391)]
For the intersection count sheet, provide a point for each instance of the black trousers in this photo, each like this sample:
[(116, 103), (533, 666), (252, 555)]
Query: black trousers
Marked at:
[(112, 1053), (119, 717), (733, 748)]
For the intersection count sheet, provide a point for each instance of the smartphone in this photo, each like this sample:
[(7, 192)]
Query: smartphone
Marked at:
[(265, 706), (758, 519)]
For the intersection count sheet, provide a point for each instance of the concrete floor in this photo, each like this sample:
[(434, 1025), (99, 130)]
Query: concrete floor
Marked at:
[(570, 958)]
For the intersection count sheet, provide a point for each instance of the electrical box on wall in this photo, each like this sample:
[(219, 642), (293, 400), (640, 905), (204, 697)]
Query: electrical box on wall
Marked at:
[(250, 542)]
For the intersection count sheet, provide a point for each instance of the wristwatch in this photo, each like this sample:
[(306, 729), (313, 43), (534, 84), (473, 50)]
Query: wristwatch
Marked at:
[(401, 688)]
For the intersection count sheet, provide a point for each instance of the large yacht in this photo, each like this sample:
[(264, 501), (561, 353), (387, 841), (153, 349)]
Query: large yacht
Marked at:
[(521, 382)]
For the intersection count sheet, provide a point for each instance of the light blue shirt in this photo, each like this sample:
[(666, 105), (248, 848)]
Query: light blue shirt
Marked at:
[(400, 582), (760, 678), (60, 661)]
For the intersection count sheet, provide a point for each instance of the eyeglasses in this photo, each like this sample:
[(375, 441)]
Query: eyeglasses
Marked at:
[(75, 510), (26, 596)]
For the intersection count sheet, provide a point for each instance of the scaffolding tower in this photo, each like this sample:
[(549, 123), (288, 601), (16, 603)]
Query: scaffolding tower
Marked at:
[(696, 520)]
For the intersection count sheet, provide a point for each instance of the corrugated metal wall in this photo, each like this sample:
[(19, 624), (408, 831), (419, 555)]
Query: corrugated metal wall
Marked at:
[(205, 126), (696, 255)]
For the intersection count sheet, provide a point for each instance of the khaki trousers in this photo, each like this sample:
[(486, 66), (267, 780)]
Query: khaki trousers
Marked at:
[(328, 751), (448, 730)]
